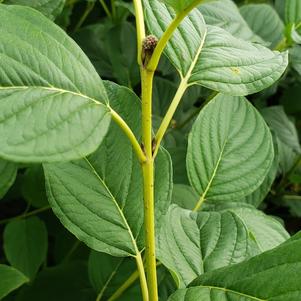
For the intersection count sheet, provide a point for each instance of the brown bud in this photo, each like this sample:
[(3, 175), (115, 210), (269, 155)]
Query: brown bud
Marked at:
[(150, 43)]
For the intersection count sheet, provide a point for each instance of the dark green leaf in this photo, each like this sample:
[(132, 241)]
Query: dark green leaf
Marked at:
[(11, 279), (8, 172), (25, 245)]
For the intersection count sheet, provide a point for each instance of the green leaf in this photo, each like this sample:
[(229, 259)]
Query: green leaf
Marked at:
[(184, 196), (264, 21), (225, 14), (293, 12), (48, 88), (273, 275), (108, 273), (230, 150), (182, 5), (190, 243), (8, 173), (212, 57), (11, 279), (295, 58), (63, 282), (283, 127), (50, 9), (106, 209), (30, 236), (33, 186), (257, 196), (112, 50)]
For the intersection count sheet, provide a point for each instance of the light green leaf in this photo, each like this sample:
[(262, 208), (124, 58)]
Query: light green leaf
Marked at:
[(11, 279), (106, 209), (273, 275), (50, 9), (293, 12), (108, 273), (230, 150), (264, 21), (212, 57), (225, 14), (190, 243), (25, 245), (48, 88), (257, 196), (8, 173)]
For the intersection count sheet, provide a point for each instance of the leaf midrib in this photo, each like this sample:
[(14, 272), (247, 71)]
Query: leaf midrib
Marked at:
[(117, 206), (232, 291), (54, 89)]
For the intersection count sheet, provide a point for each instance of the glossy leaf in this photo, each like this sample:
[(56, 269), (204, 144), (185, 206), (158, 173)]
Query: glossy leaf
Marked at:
[(47, 89), (8, 172), (225, 14), (264, 21), (230, 150), (50, 9), (106, 209), (191, 244), (11, 279), (270, 276), (30, 237), (212, 57)]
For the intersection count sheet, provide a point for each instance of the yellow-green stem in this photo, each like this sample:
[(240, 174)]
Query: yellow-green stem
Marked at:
[(154, 61), (148, 178), (126, 129), (133, 277), (140, 28)]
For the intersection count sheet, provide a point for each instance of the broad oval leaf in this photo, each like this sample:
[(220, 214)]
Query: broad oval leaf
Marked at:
[(30, 236), (99, 198), (48, 88), (11, 279), (230, 149), (8, 172), (50, 9), (190, 243), (212, 57), (264, 21), (273, 275)]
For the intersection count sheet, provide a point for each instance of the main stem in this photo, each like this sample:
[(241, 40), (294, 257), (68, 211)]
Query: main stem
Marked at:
[(148, 177)]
